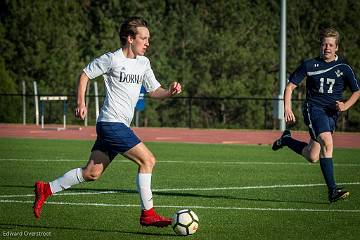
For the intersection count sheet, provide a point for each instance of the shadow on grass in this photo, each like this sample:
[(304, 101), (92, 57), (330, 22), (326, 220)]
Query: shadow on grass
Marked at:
[(182, 194), (9, 226)]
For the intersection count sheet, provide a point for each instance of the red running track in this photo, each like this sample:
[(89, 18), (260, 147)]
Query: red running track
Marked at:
[(218, 136)]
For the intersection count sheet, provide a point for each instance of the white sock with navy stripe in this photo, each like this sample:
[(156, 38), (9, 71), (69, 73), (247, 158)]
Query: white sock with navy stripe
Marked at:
[(69, 179), (143, 183)]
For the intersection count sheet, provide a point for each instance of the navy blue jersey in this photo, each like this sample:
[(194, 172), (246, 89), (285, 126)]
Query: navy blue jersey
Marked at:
[(325, 82)]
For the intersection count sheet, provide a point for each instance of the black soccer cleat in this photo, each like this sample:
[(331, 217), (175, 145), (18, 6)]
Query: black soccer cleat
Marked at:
[(279, 142), (338, 194)]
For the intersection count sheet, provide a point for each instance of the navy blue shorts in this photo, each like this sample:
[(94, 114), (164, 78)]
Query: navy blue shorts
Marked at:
[(114, 138), (319, 119)]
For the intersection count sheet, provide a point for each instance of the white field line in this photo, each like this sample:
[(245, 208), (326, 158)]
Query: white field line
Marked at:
[(182, 162), (250, 187), (185, 189), (194, 207)]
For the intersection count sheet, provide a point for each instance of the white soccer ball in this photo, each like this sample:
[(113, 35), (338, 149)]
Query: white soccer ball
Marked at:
[(185, 222)]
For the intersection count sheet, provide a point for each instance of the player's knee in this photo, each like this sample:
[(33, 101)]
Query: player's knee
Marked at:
[(328, 146), (92, 175), (311, 156), (149, 162), (313, 159)]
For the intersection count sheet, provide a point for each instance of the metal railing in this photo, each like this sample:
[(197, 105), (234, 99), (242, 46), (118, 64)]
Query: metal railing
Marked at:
[(188, 112)]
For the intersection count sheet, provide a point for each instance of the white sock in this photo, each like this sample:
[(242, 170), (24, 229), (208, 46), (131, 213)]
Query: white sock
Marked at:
[(143, 183), (69, 179)]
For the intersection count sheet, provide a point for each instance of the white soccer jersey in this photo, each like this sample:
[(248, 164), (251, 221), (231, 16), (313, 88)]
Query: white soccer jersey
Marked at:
[(123, 79)]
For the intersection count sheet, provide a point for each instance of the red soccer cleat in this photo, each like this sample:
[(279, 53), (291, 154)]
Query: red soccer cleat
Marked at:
[(151, 218), (42, 192)]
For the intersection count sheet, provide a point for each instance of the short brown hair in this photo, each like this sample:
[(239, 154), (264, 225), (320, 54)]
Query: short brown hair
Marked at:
[(128, 28), (329, 32)]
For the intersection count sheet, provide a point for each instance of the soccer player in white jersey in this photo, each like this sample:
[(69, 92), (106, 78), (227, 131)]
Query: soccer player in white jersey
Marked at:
[(327, 77), (124, 72)]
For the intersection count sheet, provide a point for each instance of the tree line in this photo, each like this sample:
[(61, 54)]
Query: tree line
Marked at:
[(214, 48)]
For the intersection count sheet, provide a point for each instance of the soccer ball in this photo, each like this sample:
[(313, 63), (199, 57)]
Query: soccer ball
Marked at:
[(185, 222)]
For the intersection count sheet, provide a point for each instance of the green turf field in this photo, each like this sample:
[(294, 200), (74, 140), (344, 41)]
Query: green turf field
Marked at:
[(238, 192)]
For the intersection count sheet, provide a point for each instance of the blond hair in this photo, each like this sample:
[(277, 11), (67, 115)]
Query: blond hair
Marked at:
[(330, 32)]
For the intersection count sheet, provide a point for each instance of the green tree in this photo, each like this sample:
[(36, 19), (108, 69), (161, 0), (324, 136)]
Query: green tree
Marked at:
[(8, 105), (48, 37), (214, 48)]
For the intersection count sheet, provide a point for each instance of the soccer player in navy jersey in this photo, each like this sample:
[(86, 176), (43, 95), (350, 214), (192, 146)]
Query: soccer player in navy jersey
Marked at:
[(124, 72), (327, 77)]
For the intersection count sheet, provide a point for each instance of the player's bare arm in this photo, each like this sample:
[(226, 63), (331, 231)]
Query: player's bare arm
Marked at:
[(288, 113), (343, 106), (174, 89), (81, 109)]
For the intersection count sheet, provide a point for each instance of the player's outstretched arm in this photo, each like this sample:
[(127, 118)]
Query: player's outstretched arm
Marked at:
[(81, 110), (174, 89)]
